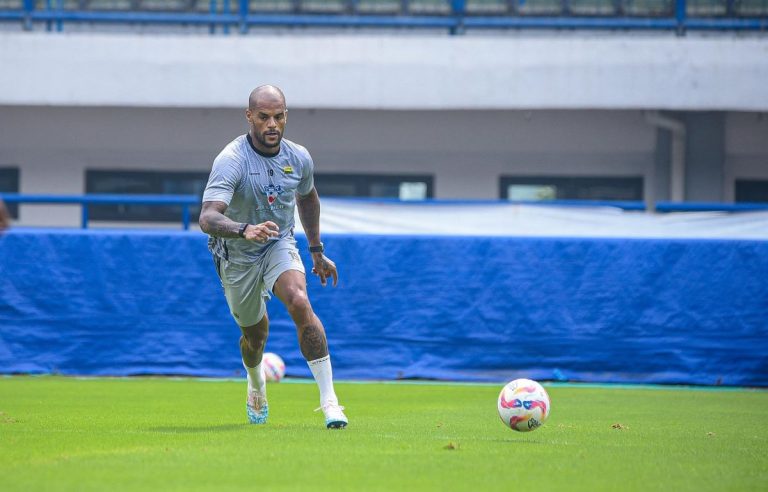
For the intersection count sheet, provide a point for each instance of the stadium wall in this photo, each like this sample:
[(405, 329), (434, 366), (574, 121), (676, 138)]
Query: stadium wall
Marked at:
[(459, 308), (466, 151), (537, 71)]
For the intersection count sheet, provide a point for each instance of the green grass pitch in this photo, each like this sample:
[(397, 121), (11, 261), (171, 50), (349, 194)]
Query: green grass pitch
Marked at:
[(188, 434)]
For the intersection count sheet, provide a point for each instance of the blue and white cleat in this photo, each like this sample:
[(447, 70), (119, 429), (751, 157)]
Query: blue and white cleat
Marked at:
[(334, 416), (257, 407)]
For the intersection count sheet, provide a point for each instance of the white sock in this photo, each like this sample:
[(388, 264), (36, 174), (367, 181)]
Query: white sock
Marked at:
[(256, 379), (321, 370)]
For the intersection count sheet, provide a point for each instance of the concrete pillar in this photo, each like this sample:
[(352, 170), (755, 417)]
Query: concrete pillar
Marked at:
[(705, 156)]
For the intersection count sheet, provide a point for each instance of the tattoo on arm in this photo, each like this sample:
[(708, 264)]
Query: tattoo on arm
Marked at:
[(215, 223), (309, 214)]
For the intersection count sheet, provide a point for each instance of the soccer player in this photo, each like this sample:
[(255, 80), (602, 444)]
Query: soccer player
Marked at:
[(248, 212)]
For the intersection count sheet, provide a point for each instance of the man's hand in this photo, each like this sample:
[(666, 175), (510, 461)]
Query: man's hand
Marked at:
[(324, 268), (261, 233)]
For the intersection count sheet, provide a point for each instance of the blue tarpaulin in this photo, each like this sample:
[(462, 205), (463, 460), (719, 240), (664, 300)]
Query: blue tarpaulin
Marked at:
[(692, 311)]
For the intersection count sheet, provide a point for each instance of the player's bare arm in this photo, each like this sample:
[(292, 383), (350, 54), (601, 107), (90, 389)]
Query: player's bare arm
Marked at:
[(309, 214), (215, 223)]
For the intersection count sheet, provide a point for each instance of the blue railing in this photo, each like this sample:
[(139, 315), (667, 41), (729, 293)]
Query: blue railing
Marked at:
[(629, 205), (454, 15), (662, 207), (185, 201)]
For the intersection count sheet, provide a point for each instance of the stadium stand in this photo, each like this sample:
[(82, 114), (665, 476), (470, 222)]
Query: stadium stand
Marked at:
[(456, 15)]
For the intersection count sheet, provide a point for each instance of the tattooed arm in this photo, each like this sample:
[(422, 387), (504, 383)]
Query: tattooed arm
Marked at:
[(213, 222), (309, 214)]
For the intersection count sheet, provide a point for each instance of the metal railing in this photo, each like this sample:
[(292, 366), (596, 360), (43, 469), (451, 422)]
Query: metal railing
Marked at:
[(454, 15), (185, 201), (628, 205)]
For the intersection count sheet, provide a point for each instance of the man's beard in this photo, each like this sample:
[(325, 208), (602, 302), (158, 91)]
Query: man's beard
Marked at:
[(263, 141)]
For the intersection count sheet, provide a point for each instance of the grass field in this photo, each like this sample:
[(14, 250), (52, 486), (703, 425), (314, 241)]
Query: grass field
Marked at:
[(167, 434)]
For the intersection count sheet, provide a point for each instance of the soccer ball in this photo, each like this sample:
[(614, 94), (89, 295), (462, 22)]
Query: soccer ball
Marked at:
[(523, 405), (273, 366)]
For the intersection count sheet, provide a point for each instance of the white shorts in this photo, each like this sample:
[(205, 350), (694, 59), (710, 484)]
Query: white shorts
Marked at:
[(248, 287)]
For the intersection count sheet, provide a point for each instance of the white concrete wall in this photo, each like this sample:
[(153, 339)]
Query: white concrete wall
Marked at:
[(466, 151), (387, 71)]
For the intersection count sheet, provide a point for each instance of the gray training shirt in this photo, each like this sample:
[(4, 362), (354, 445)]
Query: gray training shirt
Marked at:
[(256, 189)]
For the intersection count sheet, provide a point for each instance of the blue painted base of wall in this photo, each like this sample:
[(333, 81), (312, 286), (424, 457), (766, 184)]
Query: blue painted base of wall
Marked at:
[(603, 310)]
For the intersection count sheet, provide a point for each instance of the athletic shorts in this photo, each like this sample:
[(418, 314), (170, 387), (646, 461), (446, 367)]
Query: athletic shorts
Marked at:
[(248, 287)]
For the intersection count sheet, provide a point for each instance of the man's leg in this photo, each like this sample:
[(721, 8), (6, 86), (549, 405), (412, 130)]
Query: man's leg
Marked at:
[(291, 289), (243, 289), (252, 344)]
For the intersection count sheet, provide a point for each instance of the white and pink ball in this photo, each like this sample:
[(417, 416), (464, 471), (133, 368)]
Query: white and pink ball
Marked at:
[(523, 405), (273, 367)]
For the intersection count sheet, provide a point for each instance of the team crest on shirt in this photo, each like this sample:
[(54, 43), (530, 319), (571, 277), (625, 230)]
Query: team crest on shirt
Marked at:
[(273, 191)]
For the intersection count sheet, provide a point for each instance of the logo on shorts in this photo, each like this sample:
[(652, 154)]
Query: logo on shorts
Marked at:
[(273, 191)]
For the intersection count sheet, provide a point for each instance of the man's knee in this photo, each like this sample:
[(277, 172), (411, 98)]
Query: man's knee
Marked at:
[(256, 335), (254, 339), (297, 302)]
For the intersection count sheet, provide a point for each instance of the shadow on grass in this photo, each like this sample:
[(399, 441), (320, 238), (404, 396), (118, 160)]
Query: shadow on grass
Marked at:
[(512, 440), (193, 429)]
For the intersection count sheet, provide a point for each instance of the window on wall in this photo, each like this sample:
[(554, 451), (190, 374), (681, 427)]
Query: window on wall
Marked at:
[(751, 190), (542, 188), (403, 187), (9, 183), (144, 183)]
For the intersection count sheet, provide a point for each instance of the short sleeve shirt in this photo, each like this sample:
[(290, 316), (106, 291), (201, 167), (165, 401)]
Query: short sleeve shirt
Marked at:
[(257, 188)]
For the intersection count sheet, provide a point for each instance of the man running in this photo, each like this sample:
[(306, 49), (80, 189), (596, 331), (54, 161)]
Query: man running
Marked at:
[(248, 212)]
